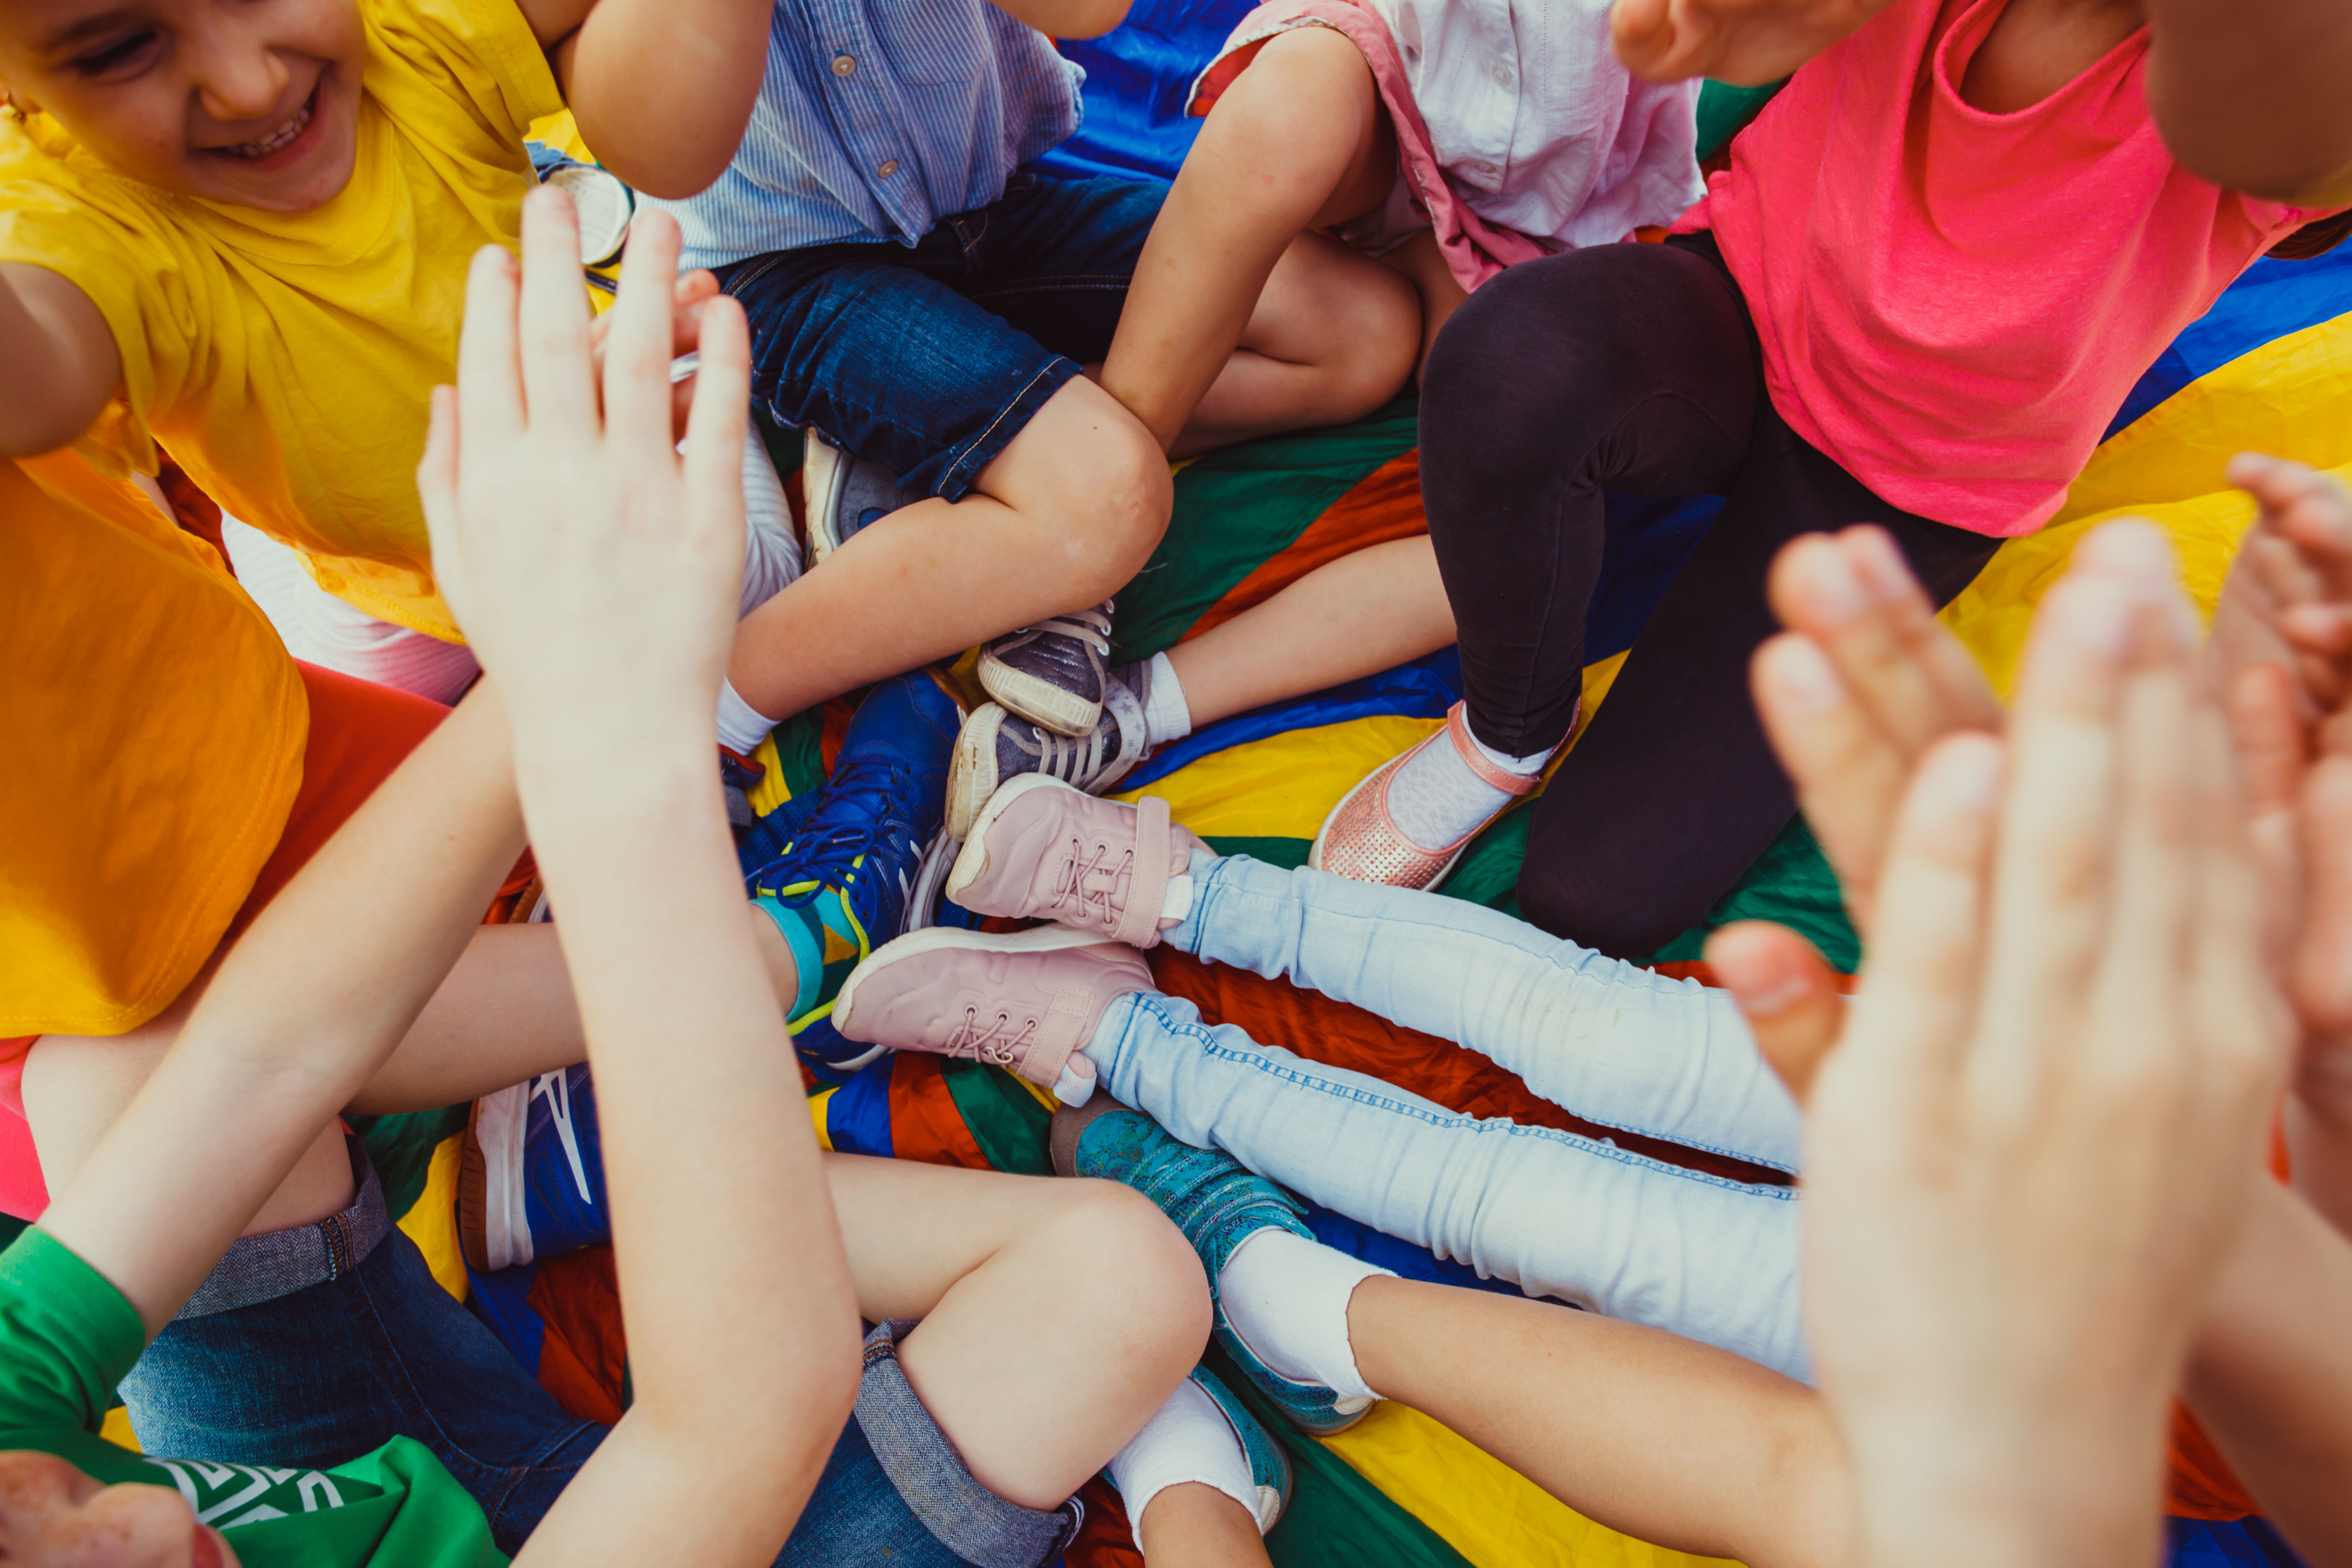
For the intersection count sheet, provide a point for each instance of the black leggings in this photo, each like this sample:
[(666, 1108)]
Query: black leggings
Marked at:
[(1634, 367)]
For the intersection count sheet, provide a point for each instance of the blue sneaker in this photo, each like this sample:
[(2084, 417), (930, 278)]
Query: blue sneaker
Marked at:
[(1218, 1206), (841, 885), (530, 1175)]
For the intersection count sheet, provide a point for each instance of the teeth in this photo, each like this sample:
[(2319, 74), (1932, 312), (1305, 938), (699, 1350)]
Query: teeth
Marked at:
[(268, 144)]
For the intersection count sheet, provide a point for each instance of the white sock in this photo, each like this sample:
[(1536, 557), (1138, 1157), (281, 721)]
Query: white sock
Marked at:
[(1166, 715), (1526, 767), (1436, 799), (1287, 1297), (1188, 1440), (741, 727)]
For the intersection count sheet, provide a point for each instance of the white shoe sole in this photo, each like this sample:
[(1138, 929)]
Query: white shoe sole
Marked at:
[(971, 776), (824, 473), (972, 863), (1314, 850), (1039, 701), (914, 944)]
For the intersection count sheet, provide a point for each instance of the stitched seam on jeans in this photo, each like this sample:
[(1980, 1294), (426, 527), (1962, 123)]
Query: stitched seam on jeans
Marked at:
[(965, 451), (1258, 1062)]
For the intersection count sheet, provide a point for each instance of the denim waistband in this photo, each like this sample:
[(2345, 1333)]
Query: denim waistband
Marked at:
[(280, 1262), (931, 1477)]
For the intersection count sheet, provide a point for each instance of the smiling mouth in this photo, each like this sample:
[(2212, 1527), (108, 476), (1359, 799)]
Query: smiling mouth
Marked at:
[(279, 138)]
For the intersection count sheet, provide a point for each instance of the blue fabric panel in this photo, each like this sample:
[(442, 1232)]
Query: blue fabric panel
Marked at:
[(503, 1301), (2273, 299), (2236, 1543), (1137, 77), (857, 1118), (1357, 1239), (1424, 689)]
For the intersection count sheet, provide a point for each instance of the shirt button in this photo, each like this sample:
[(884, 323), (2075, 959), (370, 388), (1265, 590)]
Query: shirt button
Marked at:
[(1502, 73), (844, 64), (888, 168)]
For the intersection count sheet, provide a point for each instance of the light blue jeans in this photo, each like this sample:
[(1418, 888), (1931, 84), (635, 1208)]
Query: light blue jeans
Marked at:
[(1553, 1213)]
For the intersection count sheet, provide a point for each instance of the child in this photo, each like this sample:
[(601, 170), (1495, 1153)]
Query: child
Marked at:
[(926, 299), (1452, 139), (1563, 1216), (244, 236), (1867, 319)]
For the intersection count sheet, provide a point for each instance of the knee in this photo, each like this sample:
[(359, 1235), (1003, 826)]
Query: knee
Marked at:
[(1373, 327), (1141, 1278), (1112, 506)]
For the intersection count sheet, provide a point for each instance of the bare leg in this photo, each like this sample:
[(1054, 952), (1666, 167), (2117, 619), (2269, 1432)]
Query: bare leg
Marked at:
[(1668, 1441), (1420, 259), (1057, 1316), (1352, 617), (504, 1014), (1299, 139), (1196, 1526), (1062, 518)]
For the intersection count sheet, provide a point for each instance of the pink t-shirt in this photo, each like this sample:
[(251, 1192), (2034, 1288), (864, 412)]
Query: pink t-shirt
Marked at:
[(1953, 304)]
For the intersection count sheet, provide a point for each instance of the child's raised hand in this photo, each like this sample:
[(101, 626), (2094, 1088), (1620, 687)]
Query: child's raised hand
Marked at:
[(1748, 42), (2030, 1151), (594, 569), (694, 290)]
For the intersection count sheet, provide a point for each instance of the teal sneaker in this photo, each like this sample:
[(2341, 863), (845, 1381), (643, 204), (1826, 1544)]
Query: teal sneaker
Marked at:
[(1269, 1465), (1218, 1206)]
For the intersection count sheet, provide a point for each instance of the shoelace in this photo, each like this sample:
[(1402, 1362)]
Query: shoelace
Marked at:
[(1087, 883), (1091, 627), (827, 854), (1072, 760), (999, 1042), (555, 1087)]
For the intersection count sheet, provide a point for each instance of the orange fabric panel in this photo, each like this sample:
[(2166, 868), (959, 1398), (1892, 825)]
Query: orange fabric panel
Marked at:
[(1105, 1540), (1384, 505), (584, 1359), (1278, 1014), (924, 1121), (2202, 1485)]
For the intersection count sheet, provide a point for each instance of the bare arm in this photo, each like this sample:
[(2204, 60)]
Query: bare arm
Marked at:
[(1068, 19), (554, 522), (1746, 42), (2256, 95), (61, 359), (662, 89)]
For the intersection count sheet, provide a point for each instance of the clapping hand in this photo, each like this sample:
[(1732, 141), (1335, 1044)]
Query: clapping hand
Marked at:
[(1748, 42)]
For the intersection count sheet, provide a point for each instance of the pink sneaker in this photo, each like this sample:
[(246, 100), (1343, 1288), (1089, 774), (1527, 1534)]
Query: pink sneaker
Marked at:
[(1360, 840), (1023, 1002), (1040, 847)]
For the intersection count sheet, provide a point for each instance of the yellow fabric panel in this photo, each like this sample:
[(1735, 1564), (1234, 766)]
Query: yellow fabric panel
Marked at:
[(1481, 1507), (431, 1222), (820, 1103), (118, 1431), (154, 727), (771, 790), (560, 132)]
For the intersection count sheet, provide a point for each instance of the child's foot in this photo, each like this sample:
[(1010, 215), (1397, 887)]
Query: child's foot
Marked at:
[(845, 493), (529, 1172), (1408, 824), (1054, 673), (838, 888), (1203, 1434), (1041, 848), (1027, 1002), (998, 745), (1218, 1206)]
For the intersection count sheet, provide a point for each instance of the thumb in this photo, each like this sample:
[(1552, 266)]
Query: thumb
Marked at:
[(1785, 992)]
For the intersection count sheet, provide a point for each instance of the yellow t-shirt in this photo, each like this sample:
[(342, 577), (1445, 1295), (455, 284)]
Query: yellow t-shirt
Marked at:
[(284, 359), (151, 727)]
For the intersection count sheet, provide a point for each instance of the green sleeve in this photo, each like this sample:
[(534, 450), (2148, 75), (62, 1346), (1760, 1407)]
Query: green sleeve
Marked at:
[(67, 1338)]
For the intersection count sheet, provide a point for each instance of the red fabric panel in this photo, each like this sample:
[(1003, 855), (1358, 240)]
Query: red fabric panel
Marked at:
[(1104, 1541), (1384, 505), (924, 1121), (583, 1359)]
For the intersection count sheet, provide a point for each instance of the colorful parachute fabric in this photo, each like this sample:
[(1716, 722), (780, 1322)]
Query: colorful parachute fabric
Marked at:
[(2270, 368)]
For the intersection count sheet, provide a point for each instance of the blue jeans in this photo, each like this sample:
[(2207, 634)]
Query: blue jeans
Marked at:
[(1552, 1212), (929, 359), (323, 1374)]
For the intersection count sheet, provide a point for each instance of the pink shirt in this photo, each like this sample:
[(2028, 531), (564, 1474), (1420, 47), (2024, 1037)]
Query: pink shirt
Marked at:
[(1953, 304)]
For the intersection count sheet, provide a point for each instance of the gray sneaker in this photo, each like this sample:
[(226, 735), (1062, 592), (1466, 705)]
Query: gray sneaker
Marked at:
[(996, 745), (844, 493), (1053, 673)]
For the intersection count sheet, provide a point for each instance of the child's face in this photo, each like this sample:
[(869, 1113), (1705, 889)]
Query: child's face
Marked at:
[(52, 1516), (252, 103)]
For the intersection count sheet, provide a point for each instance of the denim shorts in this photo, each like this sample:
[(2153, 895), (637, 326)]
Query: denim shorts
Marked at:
[(929, 359), (376, 1348)]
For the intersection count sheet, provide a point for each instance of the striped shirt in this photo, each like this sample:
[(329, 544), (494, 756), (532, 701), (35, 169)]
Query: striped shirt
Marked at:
[(878, 119)]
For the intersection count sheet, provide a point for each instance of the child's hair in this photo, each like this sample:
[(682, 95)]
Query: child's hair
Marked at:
[(2314, 238)]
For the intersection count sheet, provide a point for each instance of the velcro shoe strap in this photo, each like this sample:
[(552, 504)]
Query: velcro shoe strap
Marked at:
[(1457, 727), (1147, 884), (1069, 1020)]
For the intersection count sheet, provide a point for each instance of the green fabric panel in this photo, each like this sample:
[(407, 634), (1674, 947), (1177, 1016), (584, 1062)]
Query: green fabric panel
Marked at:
[(1790, 883), (786, 448), (1004, 1118), (402, 1147), (1724, 111), (1488, 872), (798, 748), (1237, 508), (1335, 1518), (1287, 853), (11, 1227)]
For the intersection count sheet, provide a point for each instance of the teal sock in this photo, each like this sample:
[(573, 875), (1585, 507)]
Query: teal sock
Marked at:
[(824, 948)]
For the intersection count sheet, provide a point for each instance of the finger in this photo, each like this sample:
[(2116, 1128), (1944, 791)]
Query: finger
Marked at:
[(1849, 776), (2268, 735), (558, 374), (1785, 992), (1817, 589), (1950, 669), (489, 368), (2240, 1042), (638, 356), (437, 471), (1919, 1001), (722, 400), (2322, 973)]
